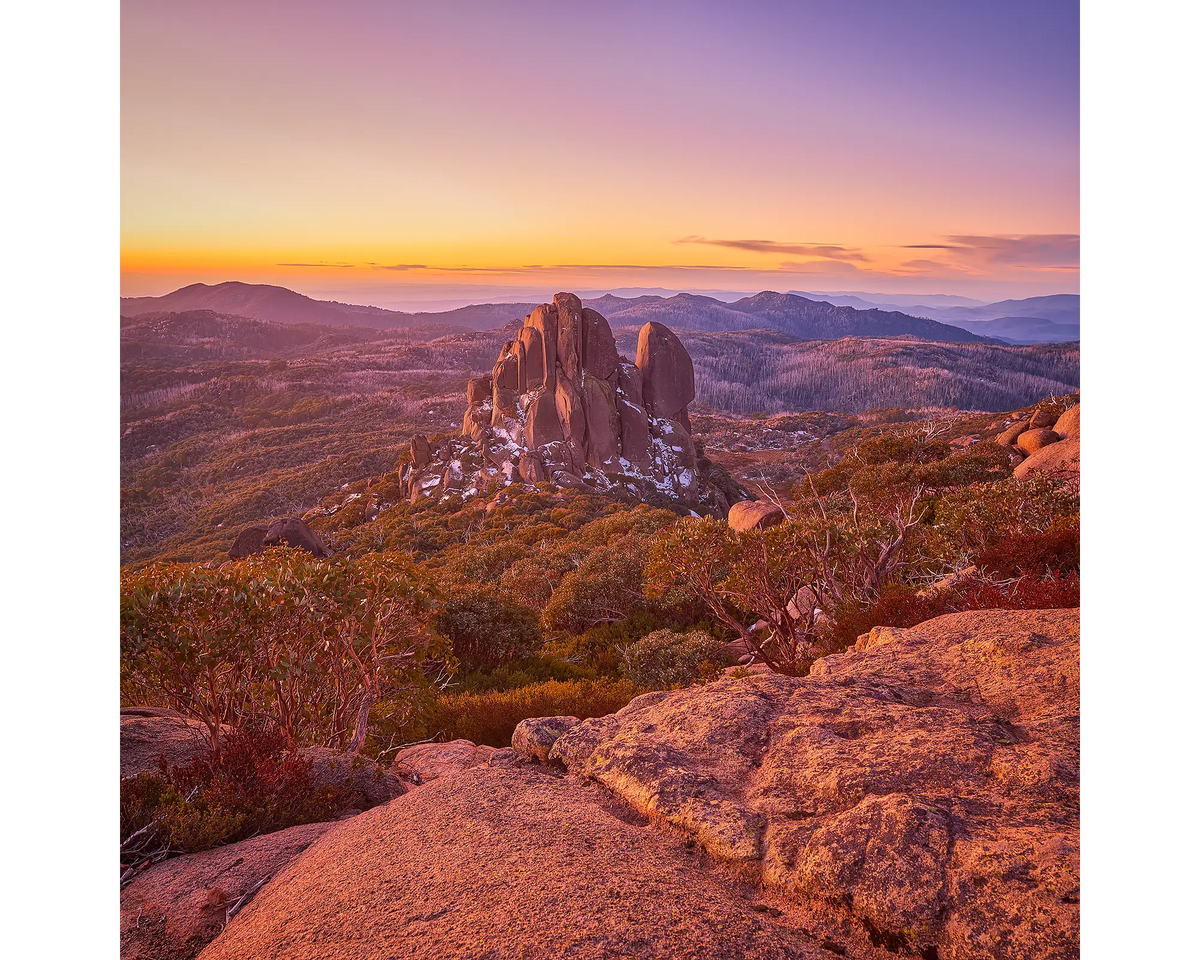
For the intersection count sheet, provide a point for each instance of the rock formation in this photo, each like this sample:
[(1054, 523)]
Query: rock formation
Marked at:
[(1039, 448), (562, 406), (148, 734), (925, 784), (754, 515), (282, 531)]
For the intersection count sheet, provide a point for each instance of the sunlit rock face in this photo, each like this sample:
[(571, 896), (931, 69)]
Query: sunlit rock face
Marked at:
[(561, 405)]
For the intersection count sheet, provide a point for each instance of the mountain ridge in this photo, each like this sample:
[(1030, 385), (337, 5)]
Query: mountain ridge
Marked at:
[(786, 312)]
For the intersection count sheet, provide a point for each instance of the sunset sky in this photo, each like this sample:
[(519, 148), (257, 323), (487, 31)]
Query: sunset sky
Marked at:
[(406, 154)]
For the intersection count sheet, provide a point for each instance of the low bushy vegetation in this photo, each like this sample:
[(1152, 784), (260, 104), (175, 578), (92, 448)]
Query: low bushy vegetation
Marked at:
[(491, 717), (667, 658), (254, 785), (306, 646)]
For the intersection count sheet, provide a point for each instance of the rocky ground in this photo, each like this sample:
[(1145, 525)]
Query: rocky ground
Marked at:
[(916, 796)]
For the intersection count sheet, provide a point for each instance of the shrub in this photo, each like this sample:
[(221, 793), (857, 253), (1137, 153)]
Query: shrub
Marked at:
[(605, 588), (666, 658), (523, 673), (254, 785), (902, 606), (486, 630), (491, 718), (310, 644), (1053, 551)]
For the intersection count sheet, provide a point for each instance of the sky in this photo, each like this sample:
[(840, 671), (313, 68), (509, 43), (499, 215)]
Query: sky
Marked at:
[(409, 153)]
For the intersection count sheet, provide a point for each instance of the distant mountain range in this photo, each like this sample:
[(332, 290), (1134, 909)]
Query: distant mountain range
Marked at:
[(1051, 319), (1036, 320)]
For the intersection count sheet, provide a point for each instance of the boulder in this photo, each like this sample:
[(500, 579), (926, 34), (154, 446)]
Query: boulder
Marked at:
[(249, 541), (366, 783), (504, 371), (428, 761), (568, 400), (1010, 434), (533, 738), (603, 423), (599, 347), (479, 389), (418, 446), (1067, 426), (530, 359), (476, 421), (922, 788), (530, 468), (504, 405), (635, 434), (146, 738), (754, 515), (1057, 460), (294, 532), (1041, 418), (629, 382), (668, 381), (1032, 440), (507, 862), (544, 319), (570, 336), (174, 908), (426, 483), (542, 425)]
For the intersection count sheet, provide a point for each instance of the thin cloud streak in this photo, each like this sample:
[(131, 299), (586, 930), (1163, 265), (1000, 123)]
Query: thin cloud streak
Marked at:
[(825, 251), (1040, 251)]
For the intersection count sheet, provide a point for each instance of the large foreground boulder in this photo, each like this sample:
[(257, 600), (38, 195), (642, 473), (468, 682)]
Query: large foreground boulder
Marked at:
[(508, 863), (922, 788), (917, 796), (365, 783), (173, 909), (429, 761), (148, 736)]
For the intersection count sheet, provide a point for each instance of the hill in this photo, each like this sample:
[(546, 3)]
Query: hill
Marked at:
[(787, 313)]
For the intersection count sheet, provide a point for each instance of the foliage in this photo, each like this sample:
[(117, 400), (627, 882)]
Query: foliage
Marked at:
[(308, 645), (490, 718), (666, 658), (835, 552), (606, 587), (967, 521), (905, 606), (486, 630), (254, 785)]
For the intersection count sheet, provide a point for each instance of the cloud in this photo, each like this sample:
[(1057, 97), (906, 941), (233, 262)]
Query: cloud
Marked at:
[(822, 268), (399, 266), (1042, 251), (322, 264), (936, 266), (825, 251)]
